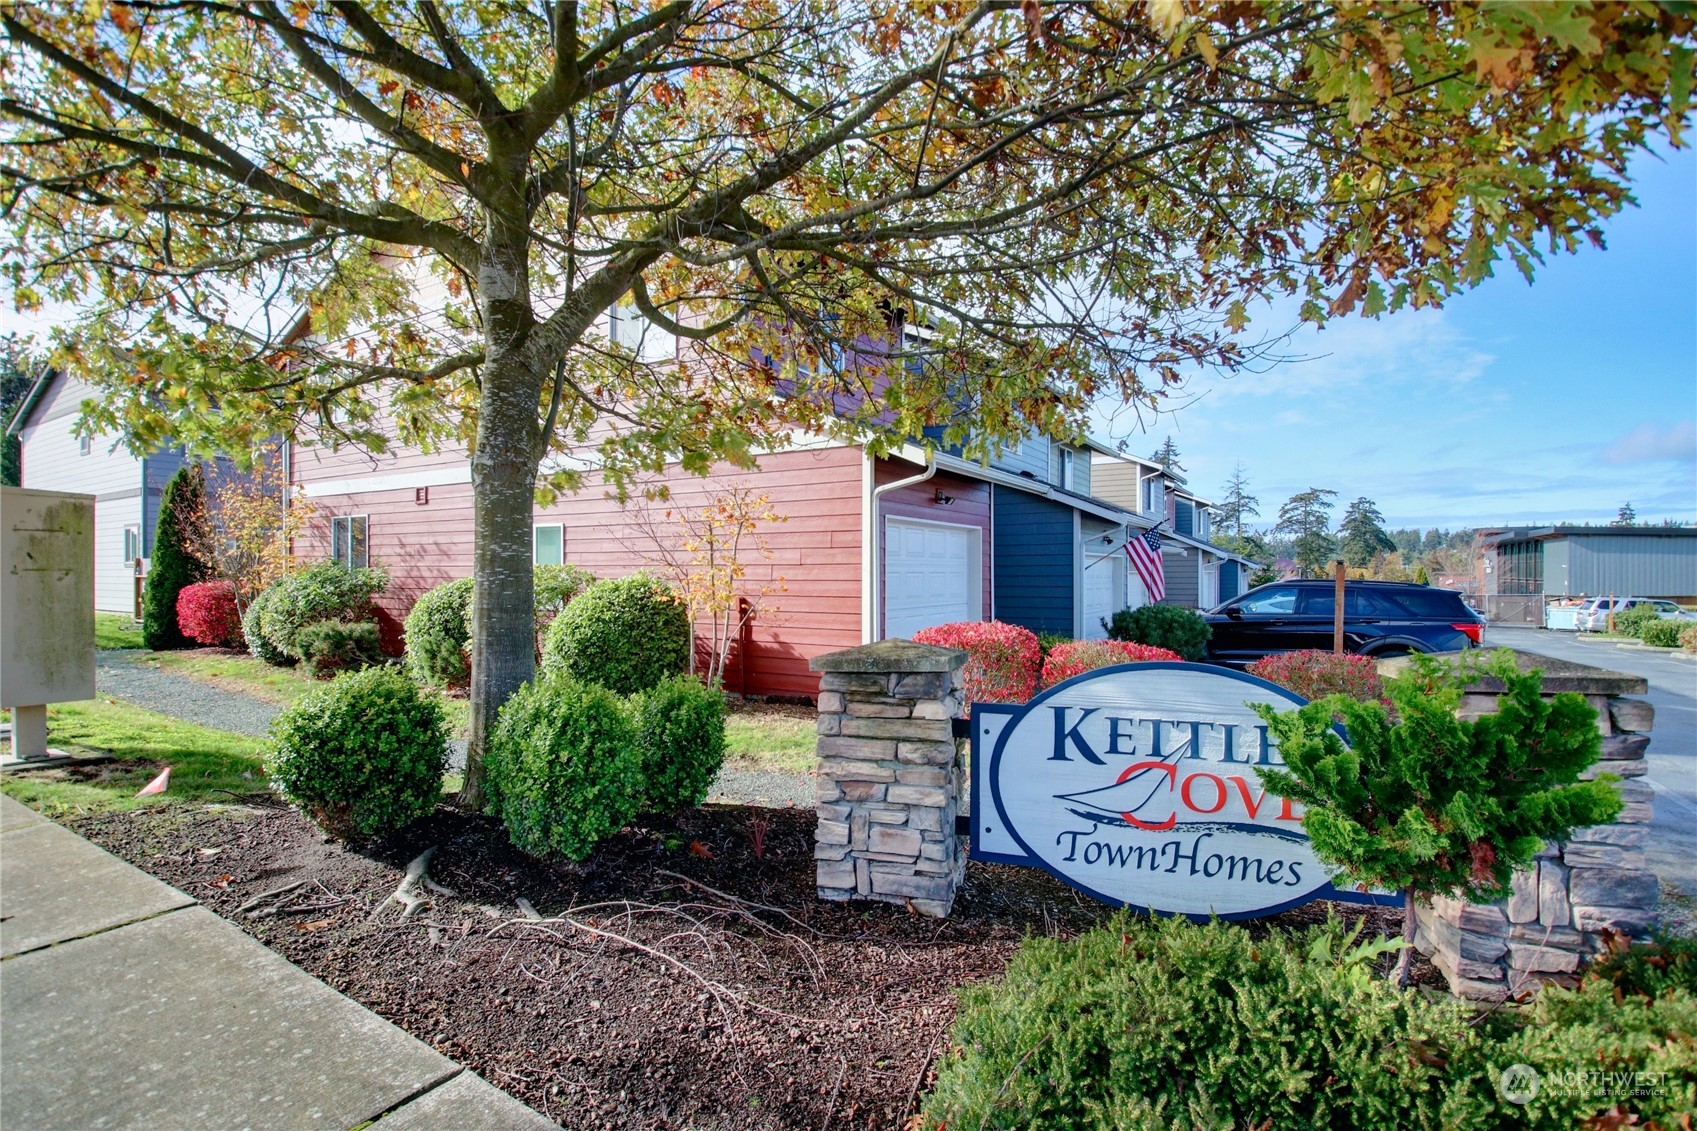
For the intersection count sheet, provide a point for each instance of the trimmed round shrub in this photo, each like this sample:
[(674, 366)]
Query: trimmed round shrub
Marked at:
[(626, 634), (1688, 638), (1003, 660), (253, 632), (1635, 620), (332, 646), (680, 742), (1164, 626), (1076, 657), (1315, 675), (363, 754), (561, 770), (437, 631), (325, 590), (207, 614), (1661, 634)]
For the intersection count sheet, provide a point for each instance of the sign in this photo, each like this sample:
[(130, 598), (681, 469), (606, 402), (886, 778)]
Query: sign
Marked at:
[(1140, 785)]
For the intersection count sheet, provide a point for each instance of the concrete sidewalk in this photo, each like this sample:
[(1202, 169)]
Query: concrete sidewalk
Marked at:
[(125, 1004)]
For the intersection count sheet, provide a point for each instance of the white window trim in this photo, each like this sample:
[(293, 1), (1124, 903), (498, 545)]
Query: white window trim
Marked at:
[(534, 527)]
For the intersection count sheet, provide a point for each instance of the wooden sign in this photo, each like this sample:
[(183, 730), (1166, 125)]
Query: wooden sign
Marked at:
[(1139, 785)]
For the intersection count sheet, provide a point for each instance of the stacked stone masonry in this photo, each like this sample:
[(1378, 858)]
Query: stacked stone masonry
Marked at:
[(889, 775), (1558, 911)]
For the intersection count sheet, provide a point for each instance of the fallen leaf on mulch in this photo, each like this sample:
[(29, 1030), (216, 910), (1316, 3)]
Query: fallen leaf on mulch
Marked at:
[(696, 848), (315, 925), (223, 881)]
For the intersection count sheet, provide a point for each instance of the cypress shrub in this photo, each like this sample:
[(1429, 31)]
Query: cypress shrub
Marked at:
[(626, 634), (438, 629), (363, 754), (561, 769), (172, 566), (680, 742), (332, 646), (1163, 626)]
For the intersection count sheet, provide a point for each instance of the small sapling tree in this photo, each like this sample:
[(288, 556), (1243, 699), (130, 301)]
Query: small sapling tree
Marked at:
[(246, 535), (1428, 803)]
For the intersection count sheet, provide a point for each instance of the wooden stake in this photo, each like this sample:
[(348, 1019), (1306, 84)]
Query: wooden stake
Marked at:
[(1337, 608)]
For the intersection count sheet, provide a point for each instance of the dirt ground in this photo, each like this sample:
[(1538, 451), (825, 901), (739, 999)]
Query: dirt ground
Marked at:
[(685, 976)]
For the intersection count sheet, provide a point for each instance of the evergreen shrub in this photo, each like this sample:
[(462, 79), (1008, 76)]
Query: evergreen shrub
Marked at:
[(626, 634), (363, 754), (561, 770), (1163, 626), (1660, 633), (253, 632), (325, 590), (1633, 621), (438, 628), (1315, 674), (1649, 969), (1688, 638), (207, 614), (172, 565), (332, 646), (1004, 661), (680, 742), (1076, 657)]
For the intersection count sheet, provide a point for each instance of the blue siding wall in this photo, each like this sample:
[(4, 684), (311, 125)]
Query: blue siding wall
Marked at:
[(1033, 557), (157, 470)]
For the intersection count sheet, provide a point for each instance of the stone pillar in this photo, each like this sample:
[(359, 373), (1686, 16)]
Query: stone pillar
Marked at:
[(1558, 910), (889, 775)]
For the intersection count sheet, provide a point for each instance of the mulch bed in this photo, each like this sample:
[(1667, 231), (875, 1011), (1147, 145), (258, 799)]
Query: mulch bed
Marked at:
[(676, 979)]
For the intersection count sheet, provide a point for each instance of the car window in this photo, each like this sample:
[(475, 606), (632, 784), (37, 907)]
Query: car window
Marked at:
[(1267, 602), (1316, 602), (1667, 606), (1368, 603), (1433, 603)]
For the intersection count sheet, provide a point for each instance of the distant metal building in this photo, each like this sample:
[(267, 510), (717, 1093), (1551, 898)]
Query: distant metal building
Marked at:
[(1524, 567)]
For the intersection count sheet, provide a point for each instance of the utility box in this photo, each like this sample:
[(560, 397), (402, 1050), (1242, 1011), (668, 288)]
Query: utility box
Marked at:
[(46, 608)]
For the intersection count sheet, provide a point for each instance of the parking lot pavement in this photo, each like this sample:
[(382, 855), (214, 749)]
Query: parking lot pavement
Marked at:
[(1672, 851)]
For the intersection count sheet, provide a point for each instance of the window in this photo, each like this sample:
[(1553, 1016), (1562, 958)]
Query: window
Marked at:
[(132, 544), (85, 444), (1269, 602), (1202, 523), (548, 545), (1064, 472), (625, 327), (348, 543)]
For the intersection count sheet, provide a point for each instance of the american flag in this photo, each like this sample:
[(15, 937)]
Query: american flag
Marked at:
[(1144, 550)]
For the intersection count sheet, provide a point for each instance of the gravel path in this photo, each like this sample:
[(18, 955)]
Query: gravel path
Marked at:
[(119, 675)]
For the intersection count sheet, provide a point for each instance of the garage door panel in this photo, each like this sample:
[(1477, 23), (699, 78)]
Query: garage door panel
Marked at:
[(929, 575)]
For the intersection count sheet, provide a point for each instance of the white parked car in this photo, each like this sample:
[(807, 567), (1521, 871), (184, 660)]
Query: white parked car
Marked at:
[(1593, 615)]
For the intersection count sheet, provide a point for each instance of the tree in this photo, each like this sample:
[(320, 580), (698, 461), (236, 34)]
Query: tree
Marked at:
[(1306, 518), (1167, 456), (241, 198), (182, 512), (246, 531), (1626, 517), (1361, 534), (18, 371), (1422, 801), (1251, 545), (1238, 505), (704, 553)]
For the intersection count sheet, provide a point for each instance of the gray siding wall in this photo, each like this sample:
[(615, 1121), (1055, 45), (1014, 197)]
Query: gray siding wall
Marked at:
[(1183, 577), (1638, 566), (1032, 456)]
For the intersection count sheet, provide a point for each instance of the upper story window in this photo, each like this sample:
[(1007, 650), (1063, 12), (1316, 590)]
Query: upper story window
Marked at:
[(625, 327), (1202, 523), (85, 445), (1066, 475), (348, 541), (548, 544)]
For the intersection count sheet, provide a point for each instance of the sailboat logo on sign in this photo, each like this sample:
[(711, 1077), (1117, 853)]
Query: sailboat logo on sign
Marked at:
[(1139, 785)]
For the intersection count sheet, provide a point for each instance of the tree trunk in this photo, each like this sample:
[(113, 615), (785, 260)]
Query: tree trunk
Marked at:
[(1409, 924)]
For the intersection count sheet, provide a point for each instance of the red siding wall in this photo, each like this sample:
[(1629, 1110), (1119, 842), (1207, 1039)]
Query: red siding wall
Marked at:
[(970, 507), (816, 551)]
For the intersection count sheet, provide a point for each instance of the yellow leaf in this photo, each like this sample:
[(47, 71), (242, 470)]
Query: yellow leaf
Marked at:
[(1205, 48), (1165, 16)]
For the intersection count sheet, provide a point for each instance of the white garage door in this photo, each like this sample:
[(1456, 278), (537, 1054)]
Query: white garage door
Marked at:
[(1104, 591), (931, 575)]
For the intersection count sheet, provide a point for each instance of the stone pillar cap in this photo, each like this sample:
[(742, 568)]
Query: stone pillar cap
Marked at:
[(892, 655)]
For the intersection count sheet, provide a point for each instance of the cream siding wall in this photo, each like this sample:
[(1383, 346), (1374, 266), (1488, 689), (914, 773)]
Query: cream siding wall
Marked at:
[(114, 578)]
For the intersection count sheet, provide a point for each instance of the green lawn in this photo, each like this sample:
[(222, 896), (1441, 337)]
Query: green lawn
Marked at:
[(759, 741), (115, 630), (206, 764)]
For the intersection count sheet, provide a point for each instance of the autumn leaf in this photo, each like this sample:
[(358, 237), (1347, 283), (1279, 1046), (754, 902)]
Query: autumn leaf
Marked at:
[(315, 925), (696, 848)]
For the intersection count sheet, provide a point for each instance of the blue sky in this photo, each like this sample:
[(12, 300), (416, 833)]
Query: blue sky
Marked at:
[(1514, 403)]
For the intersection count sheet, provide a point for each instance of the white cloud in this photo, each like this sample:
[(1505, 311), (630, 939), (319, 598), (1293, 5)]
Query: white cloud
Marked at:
[(1649, 443)]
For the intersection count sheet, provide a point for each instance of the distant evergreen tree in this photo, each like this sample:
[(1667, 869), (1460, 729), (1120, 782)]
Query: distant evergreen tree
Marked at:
[(17, 373), (1306, 518), (173, 565), (1167, 456), (1362, 534), (1238, 505), (1627, 516)]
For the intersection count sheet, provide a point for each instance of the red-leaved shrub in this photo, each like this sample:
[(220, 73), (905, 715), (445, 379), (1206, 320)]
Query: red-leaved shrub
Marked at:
[(1076, 657), (1003, 659), (206, 612), (1314, 675)]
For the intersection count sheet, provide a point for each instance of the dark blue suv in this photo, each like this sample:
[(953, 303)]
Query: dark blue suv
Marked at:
[(1380, 618)]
